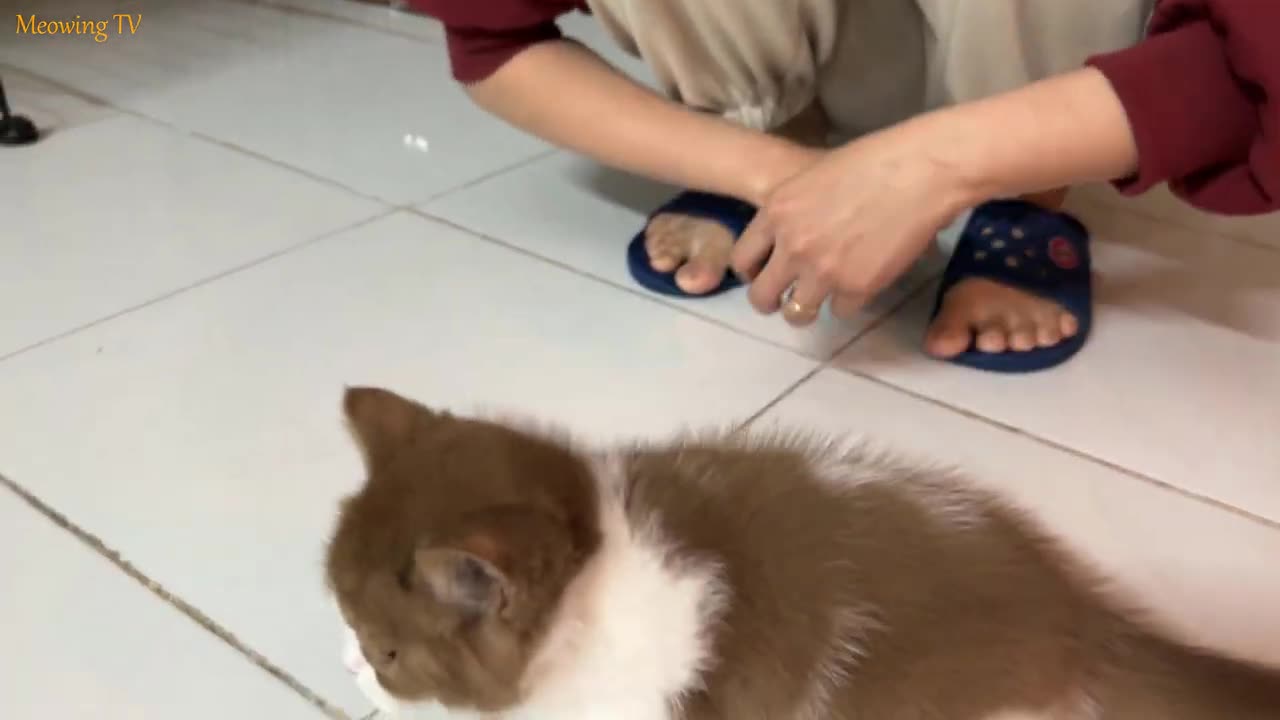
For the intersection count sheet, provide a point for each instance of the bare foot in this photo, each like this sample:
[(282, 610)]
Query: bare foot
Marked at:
[(996, 318), (699, 247)]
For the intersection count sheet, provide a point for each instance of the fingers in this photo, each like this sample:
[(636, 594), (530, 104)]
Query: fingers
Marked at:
[(846, 305), (797, 273), (752, 248), (765, 291), (800, 298), (804, 300), (773, 273), (787, 280)]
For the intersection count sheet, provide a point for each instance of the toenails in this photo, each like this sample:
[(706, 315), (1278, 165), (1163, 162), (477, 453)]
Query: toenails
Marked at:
[(695, 249), (993, 340), (1022, 339), (1068, 325), (1048, 335)]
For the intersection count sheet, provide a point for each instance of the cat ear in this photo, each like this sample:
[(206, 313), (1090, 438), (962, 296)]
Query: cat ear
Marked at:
[(461, 580), (380, 419)]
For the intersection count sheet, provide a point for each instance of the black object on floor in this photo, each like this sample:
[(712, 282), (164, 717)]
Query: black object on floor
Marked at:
[(15, 129)]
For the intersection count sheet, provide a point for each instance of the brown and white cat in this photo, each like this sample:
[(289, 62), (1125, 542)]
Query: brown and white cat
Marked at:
[(504, 573)]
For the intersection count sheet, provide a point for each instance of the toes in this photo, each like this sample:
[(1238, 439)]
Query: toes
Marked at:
[(1048, 334), (1047, 330), (949, 335), (993, 338), (994, 318), (1068, 325), (700, 276), (696, 249), (1021, 335), (663, 263), (663, 258), (664, 244)]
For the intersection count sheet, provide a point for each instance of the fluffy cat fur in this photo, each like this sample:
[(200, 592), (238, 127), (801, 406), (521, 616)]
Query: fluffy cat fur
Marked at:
[(502, 573)]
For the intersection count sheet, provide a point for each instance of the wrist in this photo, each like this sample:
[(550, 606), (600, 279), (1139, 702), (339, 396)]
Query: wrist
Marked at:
[(955, 149), (1054, 133), (773, 163)]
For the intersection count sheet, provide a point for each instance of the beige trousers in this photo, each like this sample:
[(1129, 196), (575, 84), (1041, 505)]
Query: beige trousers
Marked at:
[(869, 63)]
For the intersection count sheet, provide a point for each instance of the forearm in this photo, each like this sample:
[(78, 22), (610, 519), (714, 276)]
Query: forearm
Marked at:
[(567, 95), (1062, 131)]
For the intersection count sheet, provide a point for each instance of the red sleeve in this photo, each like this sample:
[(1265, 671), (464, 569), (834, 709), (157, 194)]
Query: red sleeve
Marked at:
[(1202, 93), (484, 34)]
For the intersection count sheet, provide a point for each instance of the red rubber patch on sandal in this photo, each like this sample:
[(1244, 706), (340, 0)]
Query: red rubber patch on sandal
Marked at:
[(1063, 253)]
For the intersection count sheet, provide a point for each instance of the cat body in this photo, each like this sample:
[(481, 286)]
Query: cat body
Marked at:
[(502, 573)]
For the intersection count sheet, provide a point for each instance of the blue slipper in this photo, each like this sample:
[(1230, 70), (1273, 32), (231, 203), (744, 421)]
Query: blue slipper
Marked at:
[(733, 214), (1039, 251)]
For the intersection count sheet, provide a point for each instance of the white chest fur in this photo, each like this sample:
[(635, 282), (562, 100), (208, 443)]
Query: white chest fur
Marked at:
[(632, 634)]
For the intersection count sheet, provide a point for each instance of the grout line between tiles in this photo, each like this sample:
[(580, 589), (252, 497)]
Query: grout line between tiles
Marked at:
[(786, 392), (86, 96), (541, 155), (924, 287), (344, 20), (229, 145), (1137, 211), (871, 327), (201, 282), (168, 125), (61, 87), (96, 544), (254, 154), (603, 281), (1080, 454)]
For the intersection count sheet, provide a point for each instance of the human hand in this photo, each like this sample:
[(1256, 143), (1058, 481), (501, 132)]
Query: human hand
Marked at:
[(850, 224)]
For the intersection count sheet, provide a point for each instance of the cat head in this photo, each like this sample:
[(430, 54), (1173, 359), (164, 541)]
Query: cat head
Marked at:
[(448, 564)]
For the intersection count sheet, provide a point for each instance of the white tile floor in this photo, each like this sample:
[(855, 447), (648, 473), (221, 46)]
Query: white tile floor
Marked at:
[(225, 225)]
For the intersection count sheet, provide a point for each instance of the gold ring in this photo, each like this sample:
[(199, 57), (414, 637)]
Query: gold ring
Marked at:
[(797, 309)]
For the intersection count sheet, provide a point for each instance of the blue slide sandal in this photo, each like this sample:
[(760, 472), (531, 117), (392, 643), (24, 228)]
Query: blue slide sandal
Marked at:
[(733, 214), (1039, 251)]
